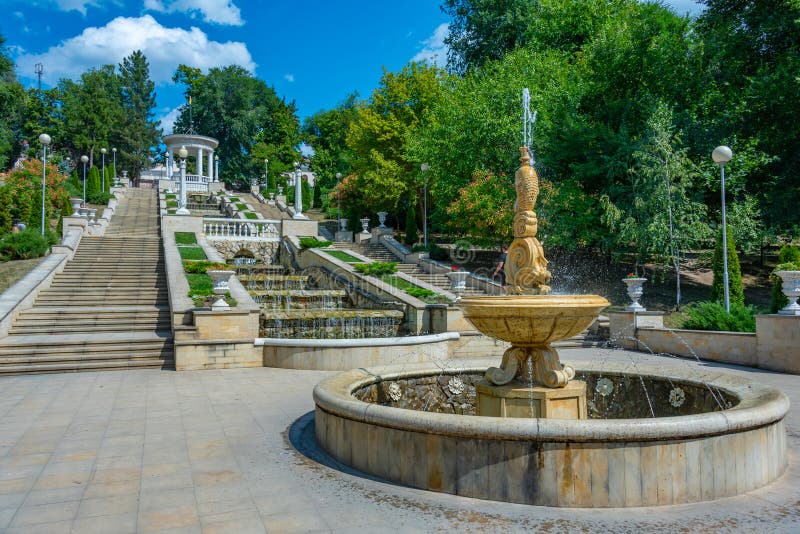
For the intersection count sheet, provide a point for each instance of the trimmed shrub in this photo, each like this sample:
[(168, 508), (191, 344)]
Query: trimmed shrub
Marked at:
[(712, 316), (185, 238), (411, 226), (201, 266), (438, 253), (313, 242), (26, 244), (378, 268), (735, 288), (100, 197)]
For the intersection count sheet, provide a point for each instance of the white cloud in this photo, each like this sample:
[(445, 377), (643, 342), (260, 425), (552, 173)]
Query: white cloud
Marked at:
[(434, 50), (168, 120), (165, 49), (289, 78), (217, 11)]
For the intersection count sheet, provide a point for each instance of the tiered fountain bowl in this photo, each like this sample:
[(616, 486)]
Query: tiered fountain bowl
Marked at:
[(535, 432)]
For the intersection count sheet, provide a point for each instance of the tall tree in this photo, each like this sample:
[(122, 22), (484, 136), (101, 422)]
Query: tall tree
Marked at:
[(140, 132), (249, 119), (11, 104)]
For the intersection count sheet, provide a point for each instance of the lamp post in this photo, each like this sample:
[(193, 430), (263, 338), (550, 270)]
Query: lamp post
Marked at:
[(114, 152), (298, 193), (182, 153), (44, 139), (84, 160), (722, 155), (103, 185), (216, 168), (424, 168), (338, 200), (266, 172)]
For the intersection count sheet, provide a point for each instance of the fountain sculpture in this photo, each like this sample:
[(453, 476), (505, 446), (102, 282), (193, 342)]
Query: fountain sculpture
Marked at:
[(530, 382)]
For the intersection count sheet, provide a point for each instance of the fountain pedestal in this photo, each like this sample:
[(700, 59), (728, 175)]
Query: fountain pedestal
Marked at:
[(517, 399)]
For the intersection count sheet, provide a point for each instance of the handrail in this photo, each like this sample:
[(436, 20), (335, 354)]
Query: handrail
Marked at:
[(242, 229)]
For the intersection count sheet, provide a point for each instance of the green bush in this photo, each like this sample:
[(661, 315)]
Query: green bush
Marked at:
[(201, 266), (100, 197), (422, 248), (192, 253), (735, 288), (411, 226), (26, 244), (712, 316), (378, 268), (438, 253), (185, 238), (313, 242)]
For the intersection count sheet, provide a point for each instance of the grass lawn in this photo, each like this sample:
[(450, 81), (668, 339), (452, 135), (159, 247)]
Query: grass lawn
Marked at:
[(199, 285), (12, 271), (425, 295), (170, 196), (192, 253), (250, 215), (185, 238), (241, 206), (342, 255), (172, 203), (234, 199)]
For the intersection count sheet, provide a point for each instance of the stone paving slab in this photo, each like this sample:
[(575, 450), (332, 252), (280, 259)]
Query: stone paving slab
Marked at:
[(209, 451)]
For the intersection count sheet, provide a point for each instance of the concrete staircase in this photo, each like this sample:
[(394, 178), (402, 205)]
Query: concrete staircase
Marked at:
[(378, 252), (108, 308)]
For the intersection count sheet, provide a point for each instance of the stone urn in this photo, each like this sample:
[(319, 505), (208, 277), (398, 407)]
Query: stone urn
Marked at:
[(365, 224), (220, 286), (92, 213), (271, 196), (635, 292), (343, 225), (280, 189), (791, 288), (76, 206), (83, 211), (458, 281), (382, 219)]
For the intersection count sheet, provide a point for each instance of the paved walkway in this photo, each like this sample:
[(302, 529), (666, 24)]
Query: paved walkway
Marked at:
[(209, 451)]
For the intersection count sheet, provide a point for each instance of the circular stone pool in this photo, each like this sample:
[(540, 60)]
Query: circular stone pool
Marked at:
[(713, 435)]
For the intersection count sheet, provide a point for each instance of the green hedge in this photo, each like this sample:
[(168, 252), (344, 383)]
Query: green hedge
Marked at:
[(313, 242), (26, 244), (192, 253), (185, 238), (378, 268), (712, 316)]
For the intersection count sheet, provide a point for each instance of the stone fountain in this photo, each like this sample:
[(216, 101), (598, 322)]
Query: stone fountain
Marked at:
[(530, 382)]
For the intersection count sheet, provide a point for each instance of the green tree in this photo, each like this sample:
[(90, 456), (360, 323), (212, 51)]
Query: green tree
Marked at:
[(5, 210), (140, 132), (93, 182), (378, 137), (411, 234), (249, 119), (735, 288), (11, 103)]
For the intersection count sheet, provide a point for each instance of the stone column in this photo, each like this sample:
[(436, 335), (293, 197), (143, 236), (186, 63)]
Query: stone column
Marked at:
[(210, 165), (170, 159), (199, 162)]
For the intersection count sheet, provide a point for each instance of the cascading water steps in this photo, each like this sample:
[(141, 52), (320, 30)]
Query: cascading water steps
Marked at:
[(108, 308)]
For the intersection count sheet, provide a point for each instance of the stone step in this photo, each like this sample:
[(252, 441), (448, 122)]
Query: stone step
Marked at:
[(108, 302), (31, 345), (85, 366), (81, 312), (88, 327)]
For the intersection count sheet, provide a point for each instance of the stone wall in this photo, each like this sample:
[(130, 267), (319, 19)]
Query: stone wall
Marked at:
[(263, 251)]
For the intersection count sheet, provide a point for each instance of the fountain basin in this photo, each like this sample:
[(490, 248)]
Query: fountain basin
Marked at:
[(558, 462), (532, 319)]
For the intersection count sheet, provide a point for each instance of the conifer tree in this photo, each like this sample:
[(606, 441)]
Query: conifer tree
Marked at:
[(735, 288)]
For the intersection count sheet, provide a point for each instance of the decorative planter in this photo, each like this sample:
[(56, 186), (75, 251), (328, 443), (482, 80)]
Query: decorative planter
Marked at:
[(271, 196), (280, 189), (458, 280), (219, 281), (343, 225), (83, 211), (76, 206), (365, 224), (791, 288), (635, 292), (92, 213), (382, 218)]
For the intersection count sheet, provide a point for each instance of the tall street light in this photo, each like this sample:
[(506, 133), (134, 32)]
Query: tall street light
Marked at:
[(424, 168), (338, 201), (103, 185), (722, 155), (182, 210), (298, 193), (266, 172), (84, 160), (216, 169), (44, 139), (114, 152)]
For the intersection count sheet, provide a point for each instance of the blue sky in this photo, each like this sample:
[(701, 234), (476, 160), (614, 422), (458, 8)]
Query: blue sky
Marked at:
[(315, 52)]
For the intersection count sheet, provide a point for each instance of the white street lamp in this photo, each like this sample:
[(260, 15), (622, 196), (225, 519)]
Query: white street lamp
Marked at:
[(216, 170), (338, 201), (103, 185), (298, 193), (182, 154), (722, 155), (84, 160), (114, 152), (266, 172), (44, 139), (424, 168)]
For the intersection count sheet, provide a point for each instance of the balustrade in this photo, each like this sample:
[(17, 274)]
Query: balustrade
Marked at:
[(245, 230)]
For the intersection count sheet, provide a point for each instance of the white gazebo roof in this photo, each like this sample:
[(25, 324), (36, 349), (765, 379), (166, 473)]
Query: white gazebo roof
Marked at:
[(175, 141)]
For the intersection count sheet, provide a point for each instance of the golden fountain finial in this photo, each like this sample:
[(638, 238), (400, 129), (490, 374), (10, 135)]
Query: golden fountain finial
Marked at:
[(525, 266)]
